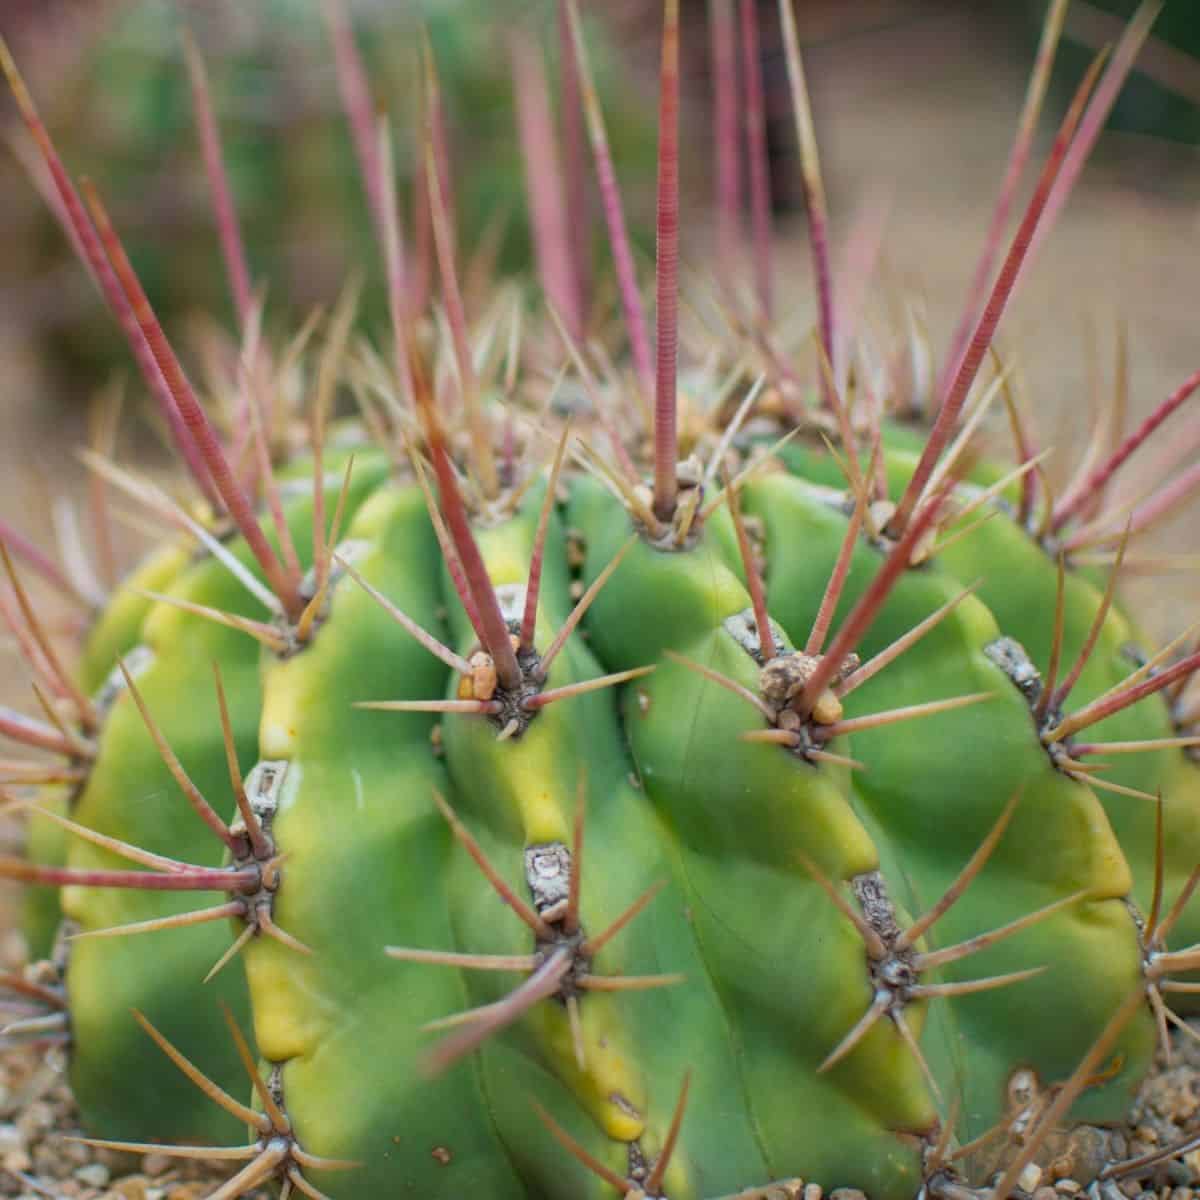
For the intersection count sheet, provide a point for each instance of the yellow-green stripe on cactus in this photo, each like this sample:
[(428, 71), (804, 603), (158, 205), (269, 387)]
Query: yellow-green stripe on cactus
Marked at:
[(517, 793)]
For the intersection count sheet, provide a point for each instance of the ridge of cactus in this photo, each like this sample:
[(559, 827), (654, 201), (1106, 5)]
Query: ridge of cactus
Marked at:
[(526, 770)]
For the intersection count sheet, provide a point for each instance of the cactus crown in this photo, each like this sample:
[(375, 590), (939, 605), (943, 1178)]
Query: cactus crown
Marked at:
[(765, 700)]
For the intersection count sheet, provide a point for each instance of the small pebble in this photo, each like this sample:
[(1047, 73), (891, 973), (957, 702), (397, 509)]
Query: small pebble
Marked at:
[(73, 1152), (17, 1160), (1068, 1187), (812, 1191), (94, 1175), (1045, 1193), (133, 1188), (1029, 1178), (36, 1118), (155, 1164)]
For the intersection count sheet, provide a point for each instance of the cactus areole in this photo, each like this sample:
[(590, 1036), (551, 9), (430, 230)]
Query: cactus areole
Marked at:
[(566, 778)]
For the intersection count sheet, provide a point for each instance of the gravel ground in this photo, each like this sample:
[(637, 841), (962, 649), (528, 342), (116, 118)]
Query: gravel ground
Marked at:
[(38, 1117)]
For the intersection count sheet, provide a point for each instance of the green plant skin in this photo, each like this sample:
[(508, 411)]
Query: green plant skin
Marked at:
[(749, 1011), (114, 634), (119, 626), (736, 811), (929, 828), (366, 867), (775, 974), (903, 444), (46, 842), (692, 1026), (1000, 553), (790, 967), (131, 795), (995, 556), (940, 806)]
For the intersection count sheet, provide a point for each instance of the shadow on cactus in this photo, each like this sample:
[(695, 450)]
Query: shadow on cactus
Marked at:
[(591, 789)]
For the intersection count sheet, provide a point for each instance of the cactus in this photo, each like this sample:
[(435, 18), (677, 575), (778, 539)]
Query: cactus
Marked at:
[(437, 736)]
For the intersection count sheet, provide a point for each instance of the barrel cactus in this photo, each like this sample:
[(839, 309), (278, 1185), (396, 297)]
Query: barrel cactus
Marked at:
[(523, 791)]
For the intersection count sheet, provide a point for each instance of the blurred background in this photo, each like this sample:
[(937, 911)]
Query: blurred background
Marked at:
[(915, 103)]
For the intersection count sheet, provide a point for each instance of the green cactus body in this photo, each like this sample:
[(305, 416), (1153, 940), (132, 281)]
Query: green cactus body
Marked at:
[(130, 795), (367, 837), (992, 557), (776, 975), (1176, 777)]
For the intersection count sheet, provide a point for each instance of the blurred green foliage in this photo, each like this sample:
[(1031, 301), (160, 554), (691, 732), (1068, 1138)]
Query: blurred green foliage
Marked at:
[(124, 117), (1146, 105)]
